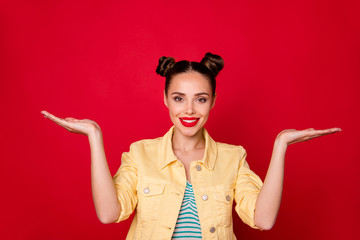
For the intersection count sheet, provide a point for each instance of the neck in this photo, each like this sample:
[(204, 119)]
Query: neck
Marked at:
[(188, 143)]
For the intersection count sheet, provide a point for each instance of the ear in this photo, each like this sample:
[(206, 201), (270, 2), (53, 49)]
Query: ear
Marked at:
[(213, 103), (165, 100)]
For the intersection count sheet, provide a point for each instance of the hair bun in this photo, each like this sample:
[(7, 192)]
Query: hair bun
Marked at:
[(165, 64), (213, 62)]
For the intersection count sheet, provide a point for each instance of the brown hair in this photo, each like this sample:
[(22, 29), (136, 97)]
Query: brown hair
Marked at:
[(209, 67)]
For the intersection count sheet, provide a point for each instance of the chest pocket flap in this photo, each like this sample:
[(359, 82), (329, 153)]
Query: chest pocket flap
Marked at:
[(225, 197), (148, 189)]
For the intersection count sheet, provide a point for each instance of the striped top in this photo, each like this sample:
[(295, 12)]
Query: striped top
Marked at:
[(188, 224)]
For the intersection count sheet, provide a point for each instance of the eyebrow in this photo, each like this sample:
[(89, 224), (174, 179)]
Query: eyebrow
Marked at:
[(196, 94)]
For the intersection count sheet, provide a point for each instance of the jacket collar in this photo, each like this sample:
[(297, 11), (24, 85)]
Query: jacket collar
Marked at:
[(167, 155)]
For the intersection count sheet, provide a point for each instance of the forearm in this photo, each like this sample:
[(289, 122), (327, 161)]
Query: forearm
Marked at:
[(269, 199), (104, 193)]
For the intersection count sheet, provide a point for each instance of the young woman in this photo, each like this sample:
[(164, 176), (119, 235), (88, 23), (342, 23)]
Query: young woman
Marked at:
[(183, 184)]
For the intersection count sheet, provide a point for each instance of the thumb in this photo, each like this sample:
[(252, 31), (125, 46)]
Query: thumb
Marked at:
[(70, 119)]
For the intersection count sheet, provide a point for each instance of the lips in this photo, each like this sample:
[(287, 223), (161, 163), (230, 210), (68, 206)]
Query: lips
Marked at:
[(189, 121)]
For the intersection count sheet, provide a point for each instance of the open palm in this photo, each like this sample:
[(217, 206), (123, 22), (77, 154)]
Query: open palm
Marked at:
[(291, 136), (83, 126)]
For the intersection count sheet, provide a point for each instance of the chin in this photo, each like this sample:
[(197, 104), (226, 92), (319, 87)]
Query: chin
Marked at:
[(187, 131), (190, 133)]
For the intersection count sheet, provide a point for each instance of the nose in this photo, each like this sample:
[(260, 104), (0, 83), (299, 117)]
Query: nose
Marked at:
[(190, 108)]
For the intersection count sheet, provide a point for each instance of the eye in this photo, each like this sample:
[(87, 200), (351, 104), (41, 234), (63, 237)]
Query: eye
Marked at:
[(178, 99), (202, 99)]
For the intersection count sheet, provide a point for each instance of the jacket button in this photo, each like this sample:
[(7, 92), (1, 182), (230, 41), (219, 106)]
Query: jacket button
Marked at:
[(212, 229), (228, 198), (198, 167), (204, 197), (146, 190)]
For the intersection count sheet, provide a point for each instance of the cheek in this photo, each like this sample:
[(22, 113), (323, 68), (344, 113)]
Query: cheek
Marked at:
[(205, 109), (174, 110)]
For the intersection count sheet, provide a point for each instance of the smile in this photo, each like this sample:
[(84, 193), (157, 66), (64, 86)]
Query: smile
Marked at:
[(189, 121)]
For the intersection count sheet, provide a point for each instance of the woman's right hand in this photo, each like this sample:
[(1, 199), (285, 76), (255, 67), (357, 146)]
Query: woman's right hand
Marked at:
[(106, 202), (84, 126)]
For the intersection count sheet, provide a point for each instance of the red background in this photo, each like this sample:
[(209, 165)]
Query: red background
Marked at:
[(287, 65)]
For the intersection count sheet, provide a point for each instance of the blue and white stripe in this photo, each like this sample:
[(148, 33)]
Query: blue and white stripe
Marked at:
[(188, 224)]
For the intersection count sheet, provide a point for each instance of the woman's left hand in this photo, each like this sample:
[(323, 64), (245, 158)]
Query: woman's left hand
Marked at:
[(290, 136)]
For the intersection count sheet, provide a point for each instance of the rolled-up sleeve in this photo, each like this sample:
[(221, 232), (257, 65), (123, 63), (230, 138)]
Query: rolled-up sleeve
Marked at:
[(125, 180), (247, 189)]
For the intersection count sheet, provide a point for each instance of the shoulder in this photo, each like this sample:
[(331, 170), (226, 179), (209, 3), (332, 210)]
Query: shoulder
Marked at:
[(230, 147), (230, 154), (143, 149), (146, 143)]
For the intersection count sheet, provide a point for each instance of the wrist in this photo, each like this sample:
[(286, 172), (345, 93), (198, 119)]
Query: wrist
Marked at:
[(280, 142), (94, 134)]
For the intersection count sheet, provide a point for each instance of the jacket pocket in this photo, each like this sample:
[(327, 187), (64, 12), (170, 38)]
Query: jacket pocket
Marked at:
[(148, 189), (223, 205), (151, 195)]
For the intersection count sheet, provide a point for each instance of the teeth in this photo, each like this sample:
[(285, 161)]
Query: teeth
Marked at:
[(189, 121)]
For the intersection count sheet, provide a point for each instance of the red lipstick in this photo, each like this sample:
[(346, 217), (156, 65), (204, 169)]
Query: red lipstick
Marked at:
[(189, 121)]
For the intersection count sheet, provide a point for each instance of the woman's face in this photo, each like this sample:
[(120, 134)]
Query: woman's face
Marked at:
[(189, 100)]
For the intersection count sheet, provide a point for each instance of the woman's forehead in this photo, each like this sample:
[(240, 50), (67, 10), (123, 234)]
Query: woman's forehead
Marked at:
[(189, 82)]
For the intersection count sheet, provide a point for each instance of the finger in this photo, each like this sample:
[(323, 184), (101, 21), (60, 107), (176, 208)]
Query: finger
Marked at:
[(45, 113), (336, 129), (319, 133), (328, 131), (48, 115), (57, 120)]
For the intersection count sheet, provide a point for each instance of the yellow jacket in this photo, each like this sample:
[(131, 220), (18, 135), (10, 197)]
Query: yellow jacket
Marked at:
[(152, 181)]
